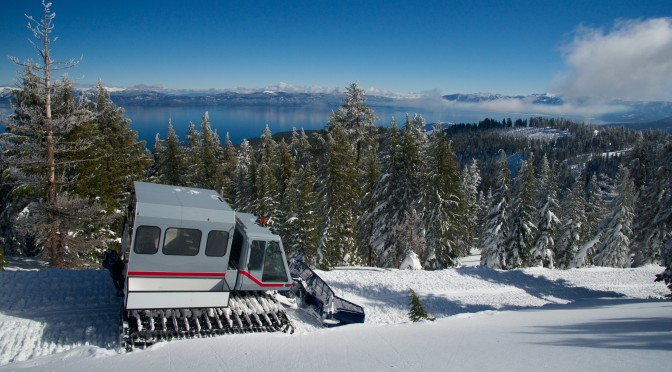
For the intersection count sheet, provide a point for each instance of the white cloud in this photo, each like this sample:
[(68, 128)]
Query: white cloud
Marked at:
[(577, 109), (632, 61), (526, 107)]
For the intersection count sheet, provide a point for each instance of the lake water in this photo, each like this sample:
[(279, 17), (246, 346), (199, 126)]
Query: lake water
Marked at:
[(249, 122)]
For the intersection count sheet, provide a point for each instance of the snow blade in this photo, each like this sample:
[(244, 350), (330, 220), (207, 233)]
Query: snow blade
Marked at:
[(314, 293)]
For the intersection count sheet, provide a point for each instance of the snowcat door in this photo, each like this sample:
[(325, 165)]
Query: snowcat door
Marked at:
[(266, 267), (236, 260)]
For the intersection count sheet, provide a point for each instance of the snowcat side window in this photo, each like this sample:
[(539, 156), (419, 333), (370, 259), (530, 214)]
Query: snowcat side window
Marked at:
[(182, 242), (256, 255), (236, 248), (147, 240), (217, 243), (274, 267)]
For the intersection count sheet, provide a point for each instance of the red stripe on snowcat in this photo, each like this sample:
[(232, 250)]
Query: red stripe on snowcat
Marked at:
[(257, 282), (174, 273)]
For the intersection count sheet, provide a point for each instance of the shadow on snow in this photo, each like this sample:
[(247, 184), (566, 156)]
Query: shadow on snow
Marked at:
[(75, 307)]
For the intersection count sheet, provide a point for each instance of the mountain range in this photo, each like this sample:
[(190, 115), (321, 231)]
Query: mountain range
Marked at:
[(637, 113)]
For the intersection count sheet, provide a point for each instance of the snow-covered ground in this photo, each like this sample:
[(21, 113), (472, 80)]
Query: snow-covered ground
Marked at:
[(523, 320)]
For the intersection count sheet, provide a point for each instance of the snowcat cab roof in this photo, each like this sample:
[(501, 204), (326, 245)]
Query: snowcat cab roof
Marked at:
[(185, 204), (252, 229)]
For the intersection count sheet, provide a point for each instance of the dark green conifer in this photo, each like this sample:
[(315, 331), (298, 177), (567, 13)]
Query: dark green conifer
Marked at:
[(418, 311)]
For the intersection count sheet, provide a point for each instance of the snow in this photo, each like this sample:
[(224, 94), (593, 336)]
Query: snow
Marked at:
[(411, 262), (578, 319)]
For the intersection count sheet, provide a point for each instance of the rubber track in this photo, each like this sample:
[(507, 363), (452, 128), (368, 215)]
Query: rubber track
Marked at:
[(247, 312)]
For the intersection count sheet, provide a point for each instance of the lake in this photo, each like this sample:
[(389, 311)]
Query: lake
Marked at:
[(249, 121)]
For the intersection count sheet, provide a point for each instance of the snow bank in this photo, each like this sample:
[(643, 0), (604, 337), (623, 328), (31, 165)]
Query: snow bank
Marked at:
[(384, 293), (596, 318)]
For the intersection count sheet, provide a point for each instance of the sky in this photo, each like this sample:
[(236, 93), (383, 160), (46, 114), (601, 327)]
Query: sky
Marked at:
[(601, 49)]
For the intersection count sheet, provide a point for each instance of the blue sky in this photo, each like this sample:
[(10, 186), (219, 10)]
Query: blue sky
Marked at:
[(509, 47)]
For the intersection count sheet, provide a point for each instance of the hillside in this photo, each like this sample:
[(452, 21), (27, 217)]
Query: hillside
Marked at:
[(595, 318)]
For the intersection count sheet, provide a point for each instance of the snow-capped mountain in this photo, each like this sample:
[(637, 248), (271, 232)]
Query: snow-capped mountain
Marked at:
[(536, 99), (490, 104)]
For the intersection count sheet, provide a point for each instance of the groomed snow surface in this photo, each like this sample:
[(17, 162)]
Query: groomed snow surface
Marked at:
[(596, 319)]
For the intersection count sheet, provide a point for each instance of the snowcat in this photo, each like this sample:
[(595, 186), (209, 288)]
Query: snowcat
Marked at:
[(194, 267)]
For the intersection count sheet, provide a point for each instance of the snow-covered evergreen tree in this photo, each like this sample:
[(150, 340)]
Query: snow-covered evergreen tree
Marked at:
[(42, 152), (495, 234), (471, 180), (442, 206), (396, 192), (541, 253), (356, 118), (303, 227), (573, 225), (666, 275), (652, 227), (411, 234), (120, 158), (285, 173), (595, 209), (229, 165), (169, 158), (337, 244), (245, 176), (523, 228), (375, 221), (209, 152), (266, 186), (614, 248), (192, 159)]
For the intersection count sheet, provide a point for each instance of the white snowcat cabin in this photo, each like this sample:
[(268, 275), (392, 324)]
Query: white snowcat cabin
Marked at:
[(180, 254), (257, 257)]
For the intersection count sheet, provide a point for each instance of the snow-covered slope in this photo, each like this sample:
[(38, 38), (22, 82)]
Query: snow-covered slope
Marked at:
[(584, 319)]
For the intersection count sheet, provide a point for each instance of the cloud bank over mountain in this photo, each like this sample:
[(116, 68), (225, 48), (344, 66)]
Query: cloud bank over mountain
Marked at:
[(631, 61)]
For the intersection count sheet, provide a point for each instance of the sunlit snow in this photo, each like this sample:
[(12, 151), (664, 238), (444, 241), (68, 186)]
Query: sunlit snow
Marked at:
[(517, 320)]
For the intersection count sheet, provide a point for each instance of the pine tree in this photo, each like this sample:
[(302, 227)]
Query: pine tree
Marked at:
[(229, 164), (411, 234), (397, 191), (495, 234), (41, 156), (356, 118), (654, 209), (266, 185), (417, 312), (285, 173), (208, 150), (541, 253), (245, 177), (377, 222), (120, 158), (192, 158), (523, 228), (442, 206), (595, 208), (614, 248), (666, 275), (365, 224), (170, 159), (337, 245), (591, 231), (573, 225), (471, 180), (304, 224)]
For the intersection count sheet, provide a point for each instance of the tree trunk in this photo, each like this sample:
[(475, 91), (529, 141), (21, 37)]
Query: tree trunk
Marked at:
[(56, 248)]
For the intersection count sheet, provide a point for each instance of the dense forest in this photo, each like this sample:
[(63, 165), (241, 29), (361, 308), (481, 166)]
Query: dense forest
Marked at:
[(537, 192)]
